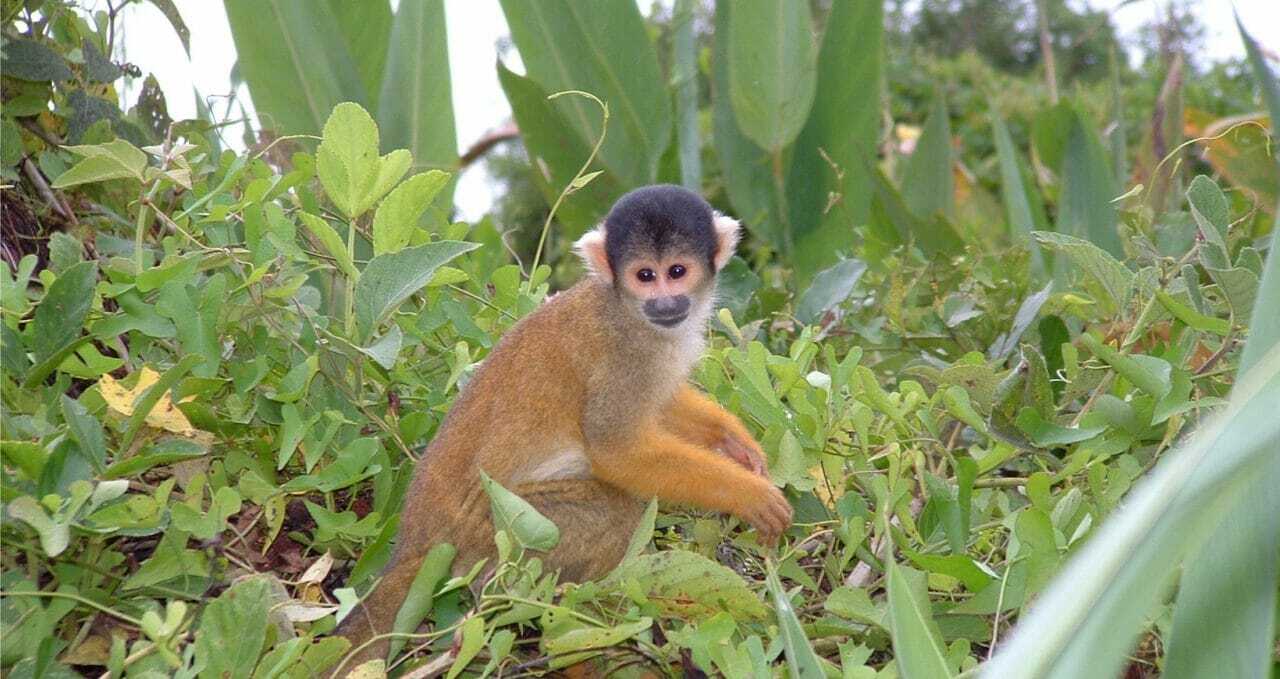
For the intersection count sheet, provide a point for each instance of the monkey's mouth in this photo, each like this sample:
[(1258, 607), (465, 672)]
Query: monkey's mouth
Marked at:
[(668, 321)]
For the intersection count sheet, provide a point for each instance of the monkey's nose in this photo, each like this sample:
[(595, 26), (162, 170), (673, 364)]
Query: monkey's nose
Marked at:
[(667, 311)]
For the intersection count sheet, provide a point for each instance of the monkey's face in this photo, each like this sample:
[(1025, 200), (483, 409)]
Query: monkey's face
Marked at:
[(660, 247), (664, 290)]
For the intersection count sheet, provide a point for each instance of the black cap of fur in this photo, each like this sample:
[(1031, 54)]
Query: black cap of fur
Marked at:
[(659, 219)]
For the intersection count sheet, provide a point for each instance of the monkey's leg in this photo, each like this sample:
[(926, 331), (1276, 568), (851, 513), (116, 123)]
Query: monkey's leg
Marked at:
[(694, 417), (596, 521)]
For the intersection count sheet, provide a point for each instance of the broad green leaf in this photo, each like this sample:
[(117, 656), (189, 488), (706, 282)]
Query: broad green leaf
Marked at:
[(829, 288), (86, 431), (347, 161), (689, 586), (233, 628), (1023, 206), (855, 604), (397, 217), (366, 26), (295, 61), (1268, 81), (415, 107), (386, 349), (1212, 214), (331, 241), (1027, 312), (472, 641), (389, 279), (1147, 373), (1193, 318), (166, 452), (521, 521), (585, 638), (114, 160), (61, 314), (928, 185), (1085, 209), (1048, 435), (917, 644), (54, 535), (772, 70), (557, 153), (747, 171), (684, 76), (204, 525), (1107, 271), (844, 124), (602, 48), (802, 662), (421, 595)]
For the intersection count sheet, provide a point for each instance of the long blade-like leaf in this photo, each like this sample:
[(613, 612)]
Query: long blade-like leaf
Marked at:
[(1224, 622), (917, 645), (772, 78), (599, 47), (295, 61), (745, 165), (825, 201), (366, 25), (1022, 206), (1085, 209), (416, 110), (684, 59), (928, 184)]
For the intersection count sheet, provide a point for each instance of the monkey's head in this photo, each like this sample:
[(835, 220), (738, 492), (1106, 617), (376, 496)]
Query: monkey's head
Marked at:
[(661, 247)]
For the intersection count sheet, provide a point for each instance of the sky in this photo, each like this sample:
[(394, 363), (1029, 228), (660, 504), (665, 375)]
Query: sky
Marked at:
[(474, 29)]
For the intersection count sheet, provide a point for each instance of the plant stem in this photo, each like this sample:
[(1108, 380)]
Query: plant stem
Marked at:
[(140, 226)]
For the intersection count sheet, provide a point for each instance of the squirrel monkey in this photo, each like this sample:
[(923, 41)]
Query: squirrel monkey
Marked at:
[(583, 409)]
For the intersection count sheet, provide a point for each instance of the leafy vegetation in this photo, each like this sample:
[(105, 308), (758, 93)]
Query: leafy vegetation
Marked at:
[(994, 351)]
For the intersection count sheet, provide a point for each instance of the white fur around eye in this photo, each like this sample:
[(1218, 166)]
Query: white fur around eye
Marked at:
[(727, 233)]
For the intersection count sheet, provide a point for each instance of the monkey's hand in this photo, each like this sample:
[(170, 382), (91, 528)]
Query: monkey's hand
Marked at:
[(744, 450), (768, 512)]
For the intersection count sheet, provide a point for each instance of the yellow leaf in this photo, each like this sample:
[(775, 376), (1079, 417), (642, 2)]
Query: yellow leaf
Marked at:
[(164, 415)]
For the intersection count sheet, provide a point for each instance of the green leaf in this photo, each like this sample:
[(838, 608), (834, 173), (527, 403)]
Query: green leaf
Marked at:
[(1212, 214), (1147, 373), (601, 48), (772, 70), (855, 604), (204, 525), (521, 521), (829, 288), (917, 644), (1085, 209), (1193, 318), (1046, 434), (687, 585), (28, 59), (331, 241), (802, 661), (415, 107), (928, 185), (166, 452), (54, 535), (418, 600), (1268, 81), (397, 217), (746, 166), (117, 159), (347, 161), (61, 314), (1023, 206), (586, 638), (233, 628), (472, 641), (386, 349), (389, 279), (170, 12), (557, 153), (684, 76), (366, 25), (1107, 271), (86, 431), (844, 124), (295, 61)]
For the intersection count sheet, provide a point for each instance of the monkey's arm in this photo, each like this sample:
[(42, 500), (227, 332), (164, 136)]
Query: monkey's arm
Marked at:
[(694, 417), (656, 463)]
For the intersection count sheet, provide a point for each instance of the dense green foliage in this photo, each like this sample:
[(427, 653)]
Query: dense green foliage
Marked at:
[(992, 344)]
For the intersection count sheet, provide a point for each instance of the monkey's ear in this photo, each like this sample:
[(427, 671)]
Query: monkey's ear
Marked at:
[(727, 233), (590, 247)]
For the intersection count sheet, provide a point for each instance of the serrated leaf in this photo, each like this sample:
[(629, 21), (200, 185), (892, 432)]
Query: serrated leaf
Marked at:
[(397, 217)]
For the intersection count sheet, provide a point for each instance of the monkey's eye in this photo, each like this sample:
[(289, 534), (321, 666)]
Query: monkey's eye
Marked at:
[(646, 275), (676, 271)]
